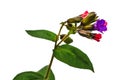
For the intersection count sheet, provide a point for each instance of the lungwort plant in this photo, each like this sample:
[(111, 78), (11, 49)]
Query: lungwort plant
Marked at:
[(86, 25)]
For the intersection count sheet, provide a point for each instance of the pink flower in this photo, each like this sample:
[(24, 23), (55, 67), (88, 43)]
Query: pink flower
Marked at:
[(84, 14)]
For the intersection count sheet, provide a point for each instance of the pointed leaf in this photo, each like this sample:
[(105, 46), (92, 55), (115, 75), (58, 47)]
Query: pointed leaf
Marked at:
[(28, 76), (73, 57), (43, 73), (45, 34)]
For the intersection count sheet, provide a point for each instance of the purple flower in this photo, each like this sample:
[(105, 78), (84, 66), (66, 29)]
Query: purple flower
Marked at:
[(100, 25)]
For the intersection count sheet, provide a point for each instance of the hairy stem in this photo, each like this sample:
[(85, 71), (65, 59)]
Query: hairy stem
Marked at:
[(51, 61)]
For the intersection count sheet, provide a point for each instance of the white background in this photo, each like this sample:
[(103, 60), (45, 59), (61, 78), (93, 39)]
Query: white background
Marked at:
[(20, 52)]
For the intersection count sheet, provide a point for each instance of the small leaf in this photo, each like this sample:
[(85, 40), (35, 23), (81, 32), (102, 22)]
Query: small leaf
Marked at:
[(43, 72), (73, 57), (45, 34), (28, 76), (68, 40)]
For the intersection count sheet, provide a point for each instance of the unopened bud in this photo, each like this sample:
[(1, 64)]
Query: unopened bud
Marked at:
[(85, 33), (75, 19), (89, 19), (88, 27), (97, 37)]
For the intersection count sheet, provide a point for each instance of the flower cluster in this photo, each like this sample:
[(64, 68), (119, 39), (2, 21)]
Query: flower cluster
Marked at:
[(88, 22)]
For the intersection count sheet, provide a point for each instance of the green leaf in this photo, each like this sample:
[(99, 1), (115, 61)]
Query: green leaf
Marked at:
[(28, 76), (43, 72), (68, 40), (73, 57), (45, 34)]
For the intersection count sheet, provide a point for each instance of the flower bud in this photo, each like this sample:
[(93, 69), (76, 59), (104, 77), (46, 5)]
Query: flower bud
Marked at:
[(97, 37), (74, 20), (85, 33), (84, 14), (88, 34), (87, 27), (89, 19)]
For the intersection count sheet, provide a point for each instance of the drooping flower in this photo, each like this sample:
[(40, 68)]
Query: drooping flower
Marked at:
[(97, 37), (84, 14), (100, 25), (85, 33), (89, 35)]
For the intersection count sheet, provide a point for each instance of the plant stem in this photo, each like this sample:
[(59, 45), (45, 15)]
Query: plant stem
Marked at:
[(51, 61), (64, 38), (49, 67), (57, 37)]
